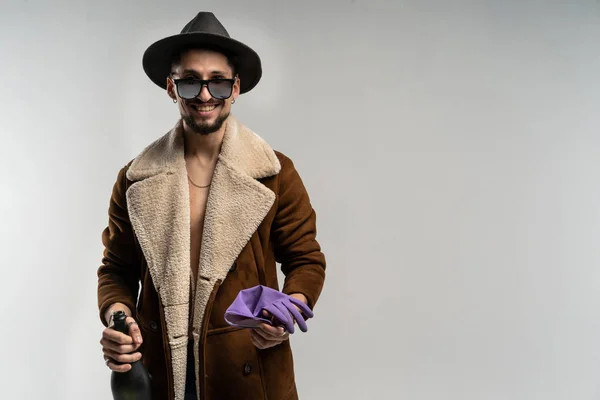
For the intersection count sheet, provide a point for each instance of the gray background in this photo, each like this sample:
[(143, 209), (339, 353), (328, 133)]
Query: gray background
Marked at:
[(450, 150)]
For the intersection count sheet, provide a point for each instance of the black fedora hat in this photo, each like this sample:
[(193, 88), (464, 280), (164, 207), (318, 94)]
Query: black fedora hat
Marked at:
[(204, 30)]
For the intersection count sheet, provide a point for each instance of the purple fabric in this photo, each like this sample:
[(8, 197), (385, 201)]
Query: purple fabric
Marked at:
[(246, 309)]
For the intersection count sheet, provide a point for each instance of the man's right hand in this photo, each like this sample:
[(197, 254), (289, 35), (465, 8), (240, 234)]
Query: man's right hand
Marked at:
[(120, 349)]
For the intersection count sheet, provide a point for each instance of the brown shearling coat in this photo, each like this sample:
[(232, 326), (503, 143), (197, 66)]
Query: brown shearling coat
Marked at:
[(258, 213)]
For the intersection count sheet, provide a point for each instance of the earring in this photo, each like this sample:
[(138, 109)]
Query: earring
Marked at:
[(232, 101), (174, 100)]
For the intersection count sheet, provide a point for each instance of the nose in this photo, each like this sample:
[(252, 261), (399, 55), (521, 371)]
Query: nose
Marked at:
[(205, 94)]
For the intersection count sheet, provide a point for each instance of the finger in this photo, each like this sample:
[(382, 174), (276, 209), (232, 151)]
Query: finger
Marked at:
[(254, 342), (289, 321), (259, 345), (117, 367), (263, 343), (273, 309), (270, 332), (116, 336), (122, 358), (134, 330), (269, 316), (257, 340), (298, 317), (118, 348), (302, 306)]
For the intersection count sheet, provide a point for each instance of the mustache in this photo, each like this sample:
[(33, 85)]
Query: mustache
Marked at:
[(200, 102)]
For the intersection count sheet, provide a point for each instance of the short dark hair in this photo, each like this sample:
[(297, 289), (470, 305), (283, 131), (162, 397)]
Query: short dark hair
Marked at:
[(231, 59)]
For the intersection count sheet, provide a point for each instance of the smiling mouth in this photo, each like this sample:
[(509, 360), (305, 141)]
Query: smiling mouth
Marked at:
[(204, 107)]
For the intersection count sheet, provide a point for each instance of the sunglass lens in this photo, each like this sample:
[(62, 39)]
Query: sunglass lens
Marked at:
[(188, 89), (220, 89)]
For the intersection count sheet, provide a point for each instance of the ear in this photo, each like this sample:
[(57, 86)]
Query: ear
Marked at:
[(171, 89), (236, 88)]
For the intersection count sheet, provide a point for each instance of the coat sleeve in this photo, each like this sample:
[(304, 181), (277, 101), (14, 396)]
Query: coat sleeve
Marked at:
[(294, 237), (118, 275)]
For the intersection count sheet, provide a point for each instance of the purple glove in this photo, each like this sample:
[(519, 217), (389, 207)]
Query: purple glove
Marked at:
[(246, 309)]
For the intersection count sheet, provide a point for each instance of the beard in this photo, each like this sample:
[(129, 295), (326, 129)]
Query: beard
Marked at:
[(205, 128)]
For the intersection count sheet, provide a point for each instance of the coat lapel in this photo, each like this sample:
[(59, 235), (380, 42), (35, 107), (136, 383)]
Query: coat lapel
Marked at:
[(159, 212), (158, 203)]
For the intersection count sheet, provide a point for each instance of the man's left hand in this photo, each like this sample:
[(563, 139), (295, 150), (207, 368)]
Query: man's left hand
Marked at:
[(266, 336)]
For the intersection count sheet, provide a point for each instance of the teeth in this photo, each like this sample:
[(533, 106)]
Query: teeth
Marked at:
[(205, 108)]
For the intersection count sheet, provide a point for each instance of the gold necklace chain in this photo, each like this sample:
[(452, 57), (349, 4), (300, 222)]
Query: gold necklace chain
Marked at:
[(198, 186)]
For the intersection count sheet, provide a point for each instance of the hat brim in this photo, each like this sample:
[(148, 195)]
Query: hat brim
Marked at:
[(157, 57)]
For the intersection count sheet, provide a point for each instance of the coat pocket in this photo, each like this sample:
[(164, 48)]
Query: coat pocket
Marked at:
[(232, 368)]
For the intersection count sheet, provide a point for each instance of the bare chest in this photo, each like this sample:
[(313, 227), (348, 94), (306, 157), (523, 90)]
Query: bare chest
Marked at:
[(198, 198)]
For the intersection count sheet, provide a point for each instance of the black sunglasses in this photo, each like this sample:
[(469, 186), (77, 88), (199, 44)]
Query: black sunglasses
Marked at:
[(190, 88)]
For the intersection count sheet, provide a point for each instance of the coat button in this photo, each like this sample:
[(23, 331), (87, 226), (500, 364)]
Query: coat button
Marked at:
[(153, 325), (247, 368)]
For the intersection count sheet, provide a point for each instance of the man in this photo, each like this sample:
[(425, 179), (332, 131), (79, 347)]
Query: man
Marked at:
[(200, 214)]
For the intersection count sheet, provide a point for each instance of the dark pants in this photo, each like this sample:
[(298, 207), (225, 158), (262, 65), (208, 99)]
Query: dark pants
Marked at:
[(190, 379)]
